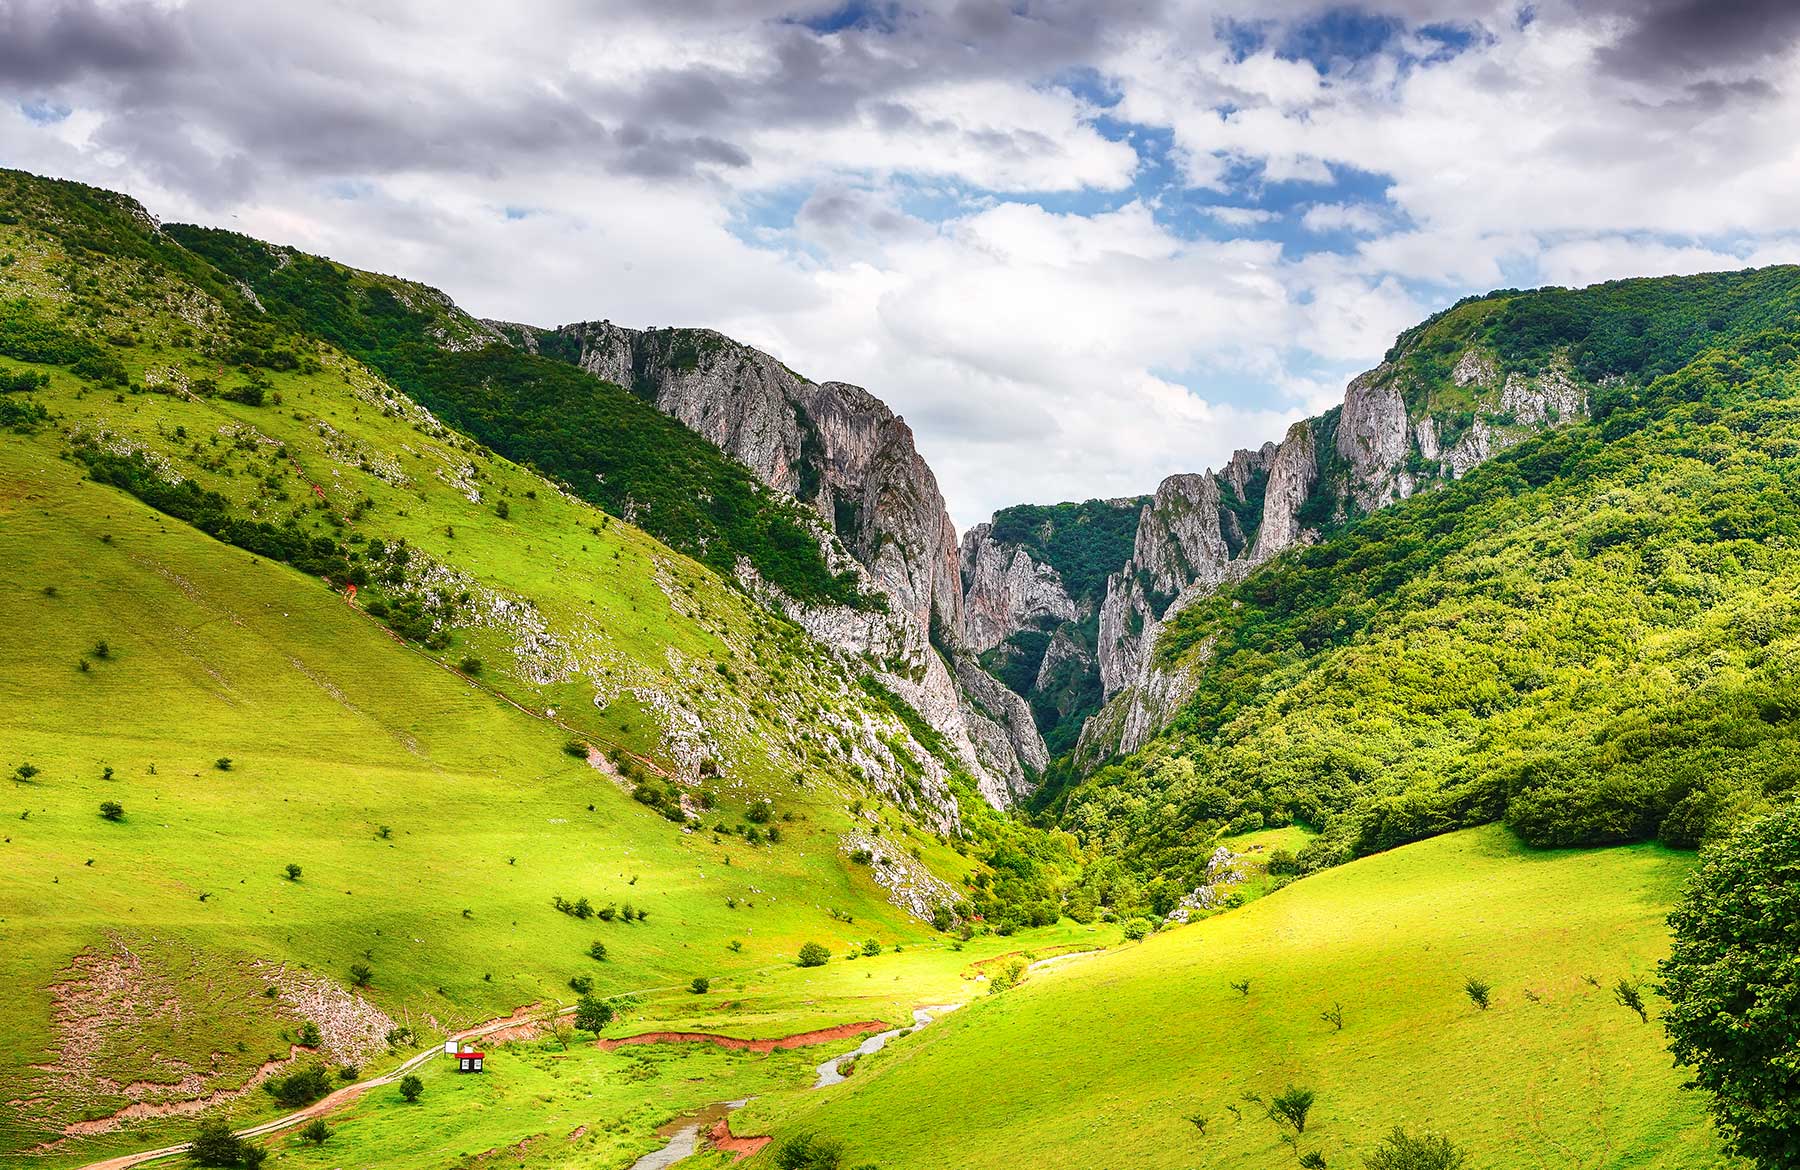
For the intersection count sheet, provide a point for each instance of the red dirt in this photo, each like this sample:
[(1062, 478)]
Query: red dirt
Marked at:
[(720, 1138), (769, 1044)]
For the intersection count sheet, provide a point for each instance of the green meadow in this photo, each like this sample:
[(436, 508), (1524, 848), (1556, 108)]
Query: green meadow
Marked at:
[(1109, 1061)]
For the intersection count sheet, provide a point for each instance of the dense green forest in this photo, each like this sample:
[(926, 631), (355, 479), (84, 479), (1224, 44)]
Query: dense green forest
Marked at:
[(601, 440), (1593, 637)]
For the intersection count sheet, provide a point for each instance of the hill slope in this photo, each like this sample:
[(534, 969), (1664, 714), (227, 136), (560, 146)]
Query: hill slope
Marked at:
[(529, 700), (1110, 1061)]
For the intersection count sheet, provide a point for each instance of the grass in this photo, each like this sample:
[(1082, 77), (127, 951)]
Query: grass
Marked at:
[(1104, 1063)]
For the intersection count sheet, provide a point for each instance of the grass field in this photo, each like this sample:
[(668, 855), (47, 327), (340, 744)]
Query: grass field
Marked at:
[(1105, 1063), (334, 731)]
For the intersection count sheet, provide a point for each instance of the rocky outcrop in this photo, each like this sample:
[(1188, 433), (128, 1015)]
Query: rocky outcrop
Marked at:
[(1005, 591), (839, 449), (1390, 439)]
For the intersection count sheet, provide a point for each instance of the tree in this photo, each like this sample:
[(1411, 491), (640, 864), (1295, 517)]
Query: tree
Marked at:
[(814, 955), (1291, 1105), (215, 1145), (1478, 990), (1733, 987), (592, 1014), (24, 772), (1629, 994), (361, 974), (292, 871), (223, 763), (871, 947), (597, 952), (1401, 1151), (317, 1132), (112, 810), (701, 985), (410, 1087)]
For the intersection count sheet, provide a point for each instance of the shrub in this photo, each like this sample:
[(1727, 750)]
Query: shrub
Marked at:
[(1334, 1015), (361, 974), (300, 1087), (1290, 1107), (410, 1087), (309, 1035), (577, 748), (592, 1015), (759, 812), (472, 665), (1478, 991), (597, 951), (1401, 1151), (215, 1145), (701, 985), (24, 772), (349, 1072), (861, 856), (1629, 994), (317, 1132), (223, 763), (1283, 863), (1010, 974), (813, 954), (871, 947), (292, 871), (806, 1151), (112, 810), (102, 650), (1242, 987), (1731, 984), (1137, 928), (581, 985)]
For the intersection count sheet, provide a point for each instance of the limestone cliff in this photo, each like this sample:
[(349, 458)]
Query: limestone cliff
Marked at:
[(1395, 434), (839, 449)]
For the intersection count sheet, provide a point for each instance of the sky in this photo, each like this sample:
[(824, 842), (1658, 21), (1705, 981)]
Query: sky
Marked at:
[(1079, 244)]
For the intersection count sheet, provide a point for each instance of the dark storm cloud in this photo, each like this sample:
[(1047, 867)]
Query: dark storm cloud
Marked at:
[(53, 43), (1669, 40)]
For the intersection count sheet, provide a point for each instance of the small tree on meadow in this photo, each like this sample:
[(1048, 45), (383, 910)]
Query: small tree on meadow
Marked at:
[(813, 954), (410, 1087), (317, 1132), (361, 974), (701, 985), (1630, 994), (1401, 1151), (292, 871), (1290, 1107), (1478, 990), (592, 1014), (112, 810)]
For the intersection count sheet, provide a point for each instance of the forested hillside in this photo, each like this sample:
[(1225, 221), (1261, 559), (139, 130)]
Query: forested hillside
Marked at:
[(1593, 636)]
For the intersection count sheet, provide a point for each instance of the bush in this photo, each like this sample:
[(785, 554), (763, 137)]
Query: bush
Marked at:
[(361, 974), (215, 1145), (1291, 1106), (581, 984), (1733, 988), (1283, 863), (1629, 994), (813, 954), (1400, 1151), (223, 763), (112, 810), (300, 1087), (410, 1087), (871, 947), (1138, 928), (1478, 991), (292, 871), (597, 951), (808, 1152), (759, 812), (577, 748), (317, 1132), (309, 1035), (701, 985)]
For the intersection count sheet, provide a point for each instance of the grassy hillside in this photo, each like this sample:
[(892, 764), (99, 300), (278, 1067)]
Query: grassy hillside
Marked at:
[(1107, 1062), (529, 700), (1592, 636)]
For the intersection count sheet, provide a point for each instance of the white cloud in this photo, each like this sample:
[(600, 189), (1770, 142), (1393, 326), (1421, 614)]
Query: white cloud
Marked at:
[(1359, 218)]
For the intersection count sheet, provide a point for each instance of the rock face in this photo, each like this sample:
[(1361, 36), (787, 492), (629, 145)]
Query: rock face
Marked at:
[(839, 449), (1005, 591), (1386, 442)]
